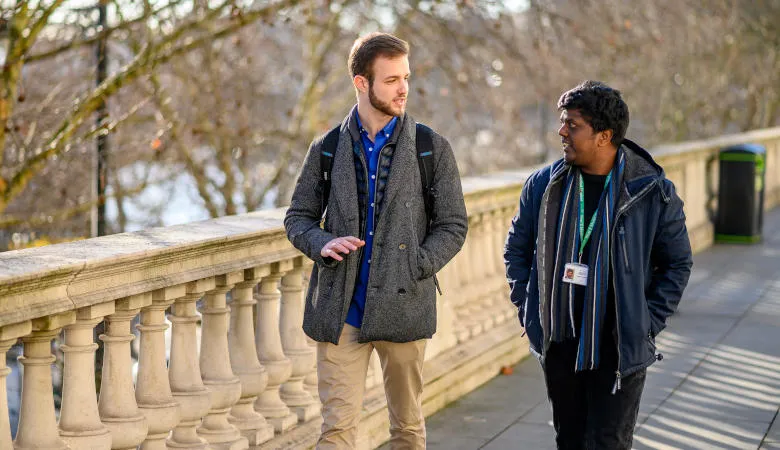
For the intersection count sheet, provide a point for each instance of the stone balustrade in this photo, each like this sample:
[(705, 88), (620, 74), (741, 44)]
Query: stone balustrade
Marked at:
[(238, 371)]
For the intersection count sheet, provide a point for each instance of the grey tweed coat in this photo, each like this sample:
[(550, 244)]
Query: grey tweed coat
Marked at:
[(401, 298)]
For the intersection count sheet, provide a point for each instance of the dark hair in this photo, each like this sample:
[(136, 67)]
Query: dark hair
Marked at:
[(368, 48), (601, 106)]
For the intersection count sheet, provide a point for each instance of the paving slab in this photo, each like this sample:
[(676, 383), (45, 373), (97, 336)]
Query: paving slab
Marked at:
[(523, 435)]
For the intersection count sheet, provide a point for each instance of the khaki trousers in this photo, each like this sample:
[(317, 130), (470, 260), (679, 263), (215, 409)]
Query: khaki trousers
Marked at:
[(342, 369)]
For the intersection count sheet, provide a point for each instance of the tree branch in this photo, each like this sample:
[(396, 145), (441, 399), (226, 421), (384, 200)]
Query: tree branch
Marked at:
[(150, 56), (105, 34), (8, 221)]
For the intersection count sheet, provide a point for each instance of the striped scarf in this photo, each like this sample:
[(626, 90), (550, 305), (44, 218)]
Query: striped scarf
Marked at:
[(567, 245)]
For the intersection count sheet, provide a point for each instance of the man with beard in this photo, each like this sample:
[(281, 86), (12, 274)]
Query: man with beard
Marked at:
[(379, 247), (597, 259)]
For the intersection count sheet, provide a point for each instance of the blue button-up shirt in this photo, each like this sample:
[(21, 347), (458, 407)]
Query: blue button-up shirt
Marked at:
[(371, 150)]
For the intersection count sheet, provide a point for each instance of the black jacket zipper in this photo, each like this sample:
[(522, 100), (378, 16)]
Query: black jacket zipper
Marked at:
[(620, 212)]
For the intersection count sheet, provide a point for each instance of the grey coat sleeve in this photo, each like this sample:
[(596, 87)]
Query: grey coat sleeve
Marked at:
[(450, 222), (303, 217)]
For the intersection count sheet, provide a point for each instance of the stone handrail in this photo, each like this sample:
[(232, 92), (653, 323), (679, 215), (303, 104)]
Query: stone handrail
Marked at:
[(236, 285)]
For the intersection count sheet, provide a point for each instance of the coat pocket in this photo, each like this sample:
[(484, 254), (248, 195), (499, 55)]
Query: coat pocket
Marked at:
[(624, 248), (325, 280), (412, 254)]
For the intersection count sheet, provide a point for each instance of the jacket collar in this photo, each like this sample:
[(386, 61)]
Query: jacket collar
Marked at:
[(354, 129), (641, 168)]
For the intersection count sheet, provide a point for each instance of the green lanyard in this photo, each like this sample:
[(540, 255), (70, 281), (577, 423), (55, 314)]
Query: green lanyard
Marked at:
[(584, 239)]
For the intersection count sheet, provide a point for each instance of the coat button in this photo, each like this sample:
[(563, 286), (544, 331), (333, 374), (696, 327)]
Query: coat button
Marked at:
[(402, 246), (408, 204)]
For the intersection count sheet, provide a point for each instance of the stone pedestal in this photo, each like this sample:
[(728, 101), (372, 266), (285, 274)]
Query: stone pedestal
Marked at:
[(184, 371), (270, 353), (37, 422), (243, 360), (80, 425), (9, 334), (118, 408), (298, 399), (153, 389), (215, 368)]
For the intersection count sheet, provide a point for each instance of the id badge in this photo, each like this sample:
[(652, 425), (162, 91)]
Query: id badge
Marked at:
[(575, 273)]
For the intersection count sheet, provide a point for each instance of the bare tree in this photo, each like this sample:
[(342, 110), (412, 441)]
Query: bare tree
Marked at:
[(33, 138), (223, 98)]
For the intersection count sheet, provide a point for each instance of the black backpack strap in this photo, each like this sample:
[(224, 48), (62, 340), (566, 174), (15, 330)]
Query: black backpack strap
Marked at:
[(327, 153), (424, 144)]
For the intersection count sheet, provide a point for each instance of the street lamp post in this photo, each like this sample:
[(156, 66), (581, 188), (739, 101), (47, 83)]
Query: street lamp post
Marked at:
[(101, 53)]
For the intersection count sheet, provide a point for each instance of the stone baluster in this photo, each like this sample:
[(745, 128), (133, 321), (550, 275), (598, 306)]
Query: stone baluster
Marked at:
[(491, 257), (445, 337), (9, 334), (215, 368), (453, 282), (469, 312), (243, 360), (479, 306), (504, 217), (310, 381), (484, 251), (494, 230), (470, 253), (469, 256), (153, 390), (80, 424), (270, 352), (459, 303), (37, 421), (495, 280), (184, 369), (295, 346), (118, 408), (500, 230)]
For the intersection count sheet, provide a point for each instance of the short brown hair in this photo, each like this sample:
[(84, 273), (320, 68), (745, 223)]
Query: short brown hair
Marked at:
[(368, 48)]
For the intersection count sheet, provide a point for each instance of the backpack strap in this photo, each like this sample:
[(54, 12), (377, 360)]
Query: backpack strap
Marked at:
[(327, 152), (424, 144), (424, 150)]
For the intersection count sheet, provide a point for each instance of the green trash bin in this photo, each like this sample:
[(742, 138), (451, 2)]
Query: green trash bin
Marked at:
[(741, 194)]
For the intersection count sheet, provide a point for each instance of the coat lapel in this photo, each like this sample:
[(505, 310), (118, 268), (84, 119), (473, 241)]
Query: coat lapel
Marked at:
[(344, 182), (404, 165)]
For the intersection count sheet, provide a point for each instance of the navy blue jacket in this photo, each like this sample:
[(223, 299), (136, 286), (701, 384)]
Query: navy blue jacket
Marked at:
[(650, 255)]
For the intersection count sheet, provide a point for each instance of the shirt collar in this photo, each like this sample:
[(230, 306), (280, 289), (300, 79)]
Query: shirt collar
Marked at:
[(387, 130)]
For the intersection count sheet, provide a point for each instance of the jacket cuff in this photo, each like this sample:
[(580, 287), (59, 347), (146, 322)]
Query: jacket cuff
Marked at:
[(656, 327), (424, 266), (317, 245)]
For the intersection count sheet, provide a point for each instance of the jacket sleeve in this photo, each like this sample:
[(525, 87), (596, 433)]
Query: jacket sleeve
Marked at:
[(303, 217), (450, 222), (519, 248), (671, 259)]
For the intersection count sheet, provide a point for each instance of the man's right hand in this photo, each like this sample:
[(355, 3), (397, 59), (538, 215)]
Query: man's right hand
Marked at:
[(342, 245)]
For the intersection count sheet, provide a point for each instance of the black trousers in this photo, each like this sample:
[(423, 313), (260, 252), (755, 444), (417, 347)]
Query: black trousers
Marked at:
[(586, 414)]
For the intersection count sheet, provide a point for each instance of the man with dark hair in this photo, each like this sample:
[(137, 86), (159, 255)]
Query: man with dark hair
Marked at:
[(597, 259), (393, 216)]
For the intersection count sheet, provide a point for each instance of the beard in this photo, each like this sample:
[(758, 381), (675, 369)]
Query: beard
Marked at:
[(383, 107)]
